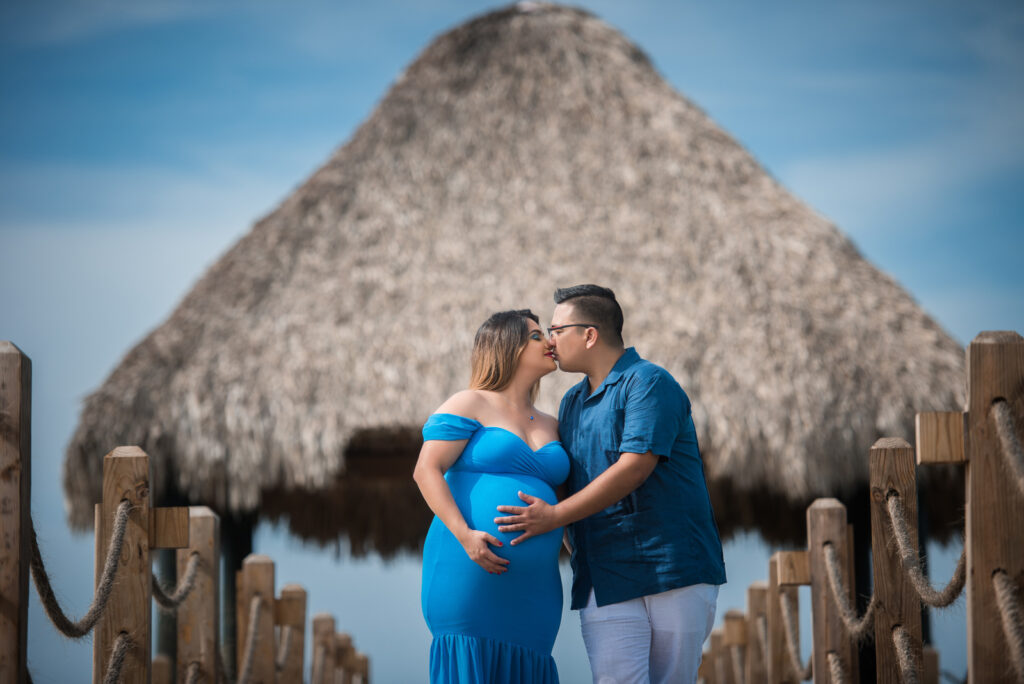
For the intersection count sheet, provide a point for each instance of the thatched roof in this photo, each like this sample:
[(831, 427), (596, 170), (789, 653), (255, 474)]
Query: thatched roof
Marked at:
[(530, 148)]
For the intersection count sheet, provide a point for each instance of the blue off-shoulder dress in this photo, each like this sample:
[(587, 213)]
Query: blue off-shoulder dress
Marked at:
[(493, 628)]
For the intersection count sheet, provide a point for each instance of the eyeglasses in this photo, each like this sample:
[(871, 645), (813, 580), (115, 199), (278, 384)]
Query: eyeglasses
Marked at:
[(559, 328)]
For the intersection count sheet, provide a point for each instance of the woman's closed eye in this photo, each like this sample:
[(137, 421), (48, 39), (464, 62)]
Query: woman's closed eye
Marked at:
[(536, 336)]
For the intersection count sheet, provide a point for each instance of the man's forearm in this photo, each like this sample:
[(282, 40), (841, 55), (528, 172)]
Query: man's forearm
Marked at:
[(615, 483)]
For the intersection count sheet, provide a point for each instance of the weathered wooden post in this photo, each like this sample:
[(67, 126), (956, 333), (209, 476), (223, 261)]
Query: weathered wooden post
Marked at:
[(323, 649), (896, 599), (361, 668), (256, 578), (787, 570), (734, 629), (125, 477), (719, 658), (826, 524), (930, 668), (290, 616), (757, 647), (344, 653), (995, 503), (129, 610), (15, 505), (160, 672), (199, 613)]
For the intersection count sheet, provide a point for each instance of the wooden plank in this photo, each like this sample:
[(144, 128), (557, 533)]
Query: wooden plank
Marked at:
[(734, 628), (995, 506), (361, 668), (794, 568), (199, 613), (892, 472), (125, 476), (168, 528), (826, 524), (940, 436), (344, 653), (15, 506), (780, 669), (290, 613), (256, 578), (757, 655), (720, 658), (323, 649)]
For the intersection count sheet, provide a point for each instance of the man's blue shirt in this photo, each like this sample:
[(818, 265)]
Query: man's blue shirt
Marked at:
[(663, 535)]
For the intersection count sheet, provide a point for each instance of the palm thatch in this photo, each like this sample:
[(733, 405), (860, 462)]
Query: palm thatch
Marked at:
[(529, 148)]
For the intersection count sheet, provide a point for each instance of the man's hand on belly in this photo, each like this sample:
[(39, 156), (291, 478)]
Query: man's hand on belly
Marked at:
[(536, 518)]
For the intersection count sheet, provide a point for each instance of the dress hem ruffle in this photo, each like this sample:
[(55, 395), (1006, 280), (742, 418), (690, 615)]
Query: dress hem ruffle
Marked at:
[(479, 660)]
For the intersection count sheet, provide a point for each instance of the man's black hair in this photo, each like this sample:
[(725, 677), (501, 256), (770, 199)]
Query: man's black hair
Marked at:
[(597, 305)]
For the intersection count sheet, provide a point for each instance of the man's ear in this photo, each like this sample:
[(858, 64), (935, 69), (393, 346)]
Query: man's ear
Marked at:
[(592, 335)]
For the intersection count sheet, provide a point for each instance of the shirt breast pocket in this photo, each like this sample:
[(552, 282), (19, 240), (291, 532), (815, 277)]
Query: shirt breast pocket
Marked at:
[(608, 429)]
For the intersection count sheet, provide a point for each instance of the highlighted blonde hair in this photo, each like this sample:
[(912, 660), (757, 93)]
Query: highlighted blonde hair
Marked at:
[(498, 344)]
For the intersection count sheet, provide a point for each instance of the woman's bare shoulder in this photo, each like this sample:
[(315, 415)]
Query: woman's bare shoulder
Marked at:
[(466, 403)]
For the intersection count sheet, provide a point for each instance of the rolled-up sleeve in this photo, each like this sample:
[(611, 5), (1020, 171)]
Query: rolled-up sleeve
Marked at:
[(654, 412)]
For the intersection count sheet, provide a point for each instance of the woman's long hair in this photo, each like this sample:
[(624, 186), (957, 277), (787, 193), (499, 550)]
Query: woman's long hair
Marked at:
[(497, 347)]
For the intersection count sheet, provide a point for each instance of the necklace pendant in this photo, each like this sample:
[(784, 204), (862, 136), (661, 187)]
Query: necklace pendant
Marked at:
[(531, 417)]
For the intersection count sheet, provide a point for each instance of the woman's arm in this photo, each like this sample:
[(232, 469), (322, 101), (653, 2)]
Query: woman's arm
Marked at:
[(435, 458)]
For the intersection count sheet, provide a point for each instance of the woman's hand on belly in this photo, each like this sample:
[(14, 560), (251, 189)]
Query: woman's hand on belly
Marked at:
[(477, 545)]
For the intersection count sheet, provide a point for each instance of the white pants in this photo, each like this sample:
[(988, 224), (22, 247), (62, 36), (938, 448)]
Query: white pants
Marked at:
[(654, 639)]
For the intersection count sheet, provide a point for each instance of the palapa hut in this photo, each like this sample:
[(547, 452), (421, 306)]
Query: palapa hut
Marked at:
[(529, 148)]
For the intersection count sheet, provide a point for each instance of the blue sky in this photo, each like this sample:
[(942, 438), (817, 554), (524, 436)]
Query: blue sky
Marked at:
[(138, 140)]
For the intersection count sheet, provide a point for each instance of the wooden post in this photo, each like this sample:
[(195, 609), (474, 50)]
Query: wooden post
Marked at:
[(290, 614), (161, 672), (344, 653), (939, 436), (734, 640), (706, 671), (199, 614), (257, 579), (15, 504), (361, 668), (780, 671), (323, 649), (826, 523), (995, 505), (896, 600), (930, 669), (125, 477), (720, 658), (757, 611)]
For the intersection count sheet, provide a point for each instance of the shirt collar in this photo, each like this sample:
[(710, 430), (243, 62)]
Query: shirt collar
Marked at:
[(628, 358)]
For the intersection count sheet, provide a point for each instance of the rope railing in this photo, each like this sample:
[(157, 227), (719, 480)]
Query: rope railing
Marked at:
[(738, 670), (284, 649), (1013, 454), (912, 565), (66, 626), (835, 668), (804, 672), (170, 601), (1012, 615), (255, 607), (193, 673), (905, 655), (858, 628), (117, 655)]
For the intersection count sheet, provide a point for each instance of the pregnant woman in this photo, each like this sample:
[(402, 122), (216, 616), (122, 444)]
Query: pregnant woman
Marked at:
[(493, 608)]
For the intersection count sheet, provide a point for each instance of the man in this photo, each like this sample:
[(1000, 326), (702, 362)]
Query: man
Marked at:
[(646, 558)]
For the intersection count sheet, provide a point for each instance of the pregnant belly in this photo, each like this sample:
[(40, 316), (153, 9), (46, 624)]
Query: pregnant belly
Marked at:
[(522, 605)]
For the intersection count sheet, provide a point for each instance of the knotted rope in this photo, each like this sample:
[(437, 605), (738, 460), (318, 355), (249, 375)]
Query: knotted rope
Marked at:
[(904, 655), (738, 670), (836, 669), (193, 673), (912, 565), (1012, 615), (789, 622), (255, 606), (117, 654), (857, 628), (65, 625), (284, 648), (762, 636), (1013, 454), (172, 601)]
